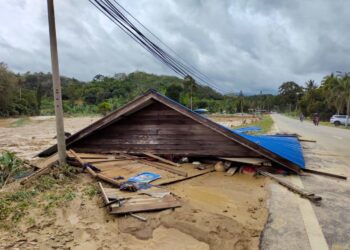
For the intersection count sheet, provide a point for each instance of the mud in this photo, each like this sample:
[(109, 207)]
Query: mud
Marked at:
[(218, 212)]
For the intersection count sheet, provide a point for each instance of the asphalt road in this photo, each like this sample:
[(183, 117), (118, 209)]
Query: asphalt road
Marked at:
[(295, 223), (330, 138)]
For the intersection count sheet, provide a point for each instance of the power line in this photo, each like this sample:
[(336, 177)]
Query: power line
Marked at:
[(175, 63)]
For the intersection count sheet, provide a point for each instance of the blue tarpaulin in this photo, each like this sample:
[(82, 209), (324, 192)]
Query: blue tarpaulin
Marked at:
[(144, 177), (286, 147), (247, 129)]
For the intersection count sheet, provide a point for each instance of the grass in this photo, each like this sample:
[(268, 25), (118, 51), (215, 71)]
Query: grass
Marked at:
[(91, 191), (265, 124), (47, 194)]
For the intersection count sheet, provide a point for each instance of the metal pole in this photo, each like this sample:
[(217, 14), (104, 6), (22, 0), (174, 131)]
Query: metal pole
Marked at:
[(61, 141), (348, 109)]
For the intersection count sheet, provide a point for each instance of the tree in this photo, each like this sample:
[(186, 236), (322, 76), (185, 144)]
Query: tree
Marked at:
[(336, 91), (174, 92), (290, 94)]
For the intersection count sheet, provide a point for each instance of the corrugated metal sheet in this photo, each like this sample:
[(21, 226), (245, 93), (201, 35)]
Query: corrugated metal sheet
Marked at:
[(247, 129), (286, 147)]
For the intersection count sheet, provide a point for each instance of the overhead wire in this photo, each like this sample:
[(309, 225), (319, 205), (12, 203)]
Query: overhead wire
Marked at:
[(175, 63)]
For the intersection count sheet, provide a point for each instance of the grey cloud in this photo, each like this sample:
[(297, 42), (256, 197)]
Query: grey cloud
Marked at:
[(248, 45)]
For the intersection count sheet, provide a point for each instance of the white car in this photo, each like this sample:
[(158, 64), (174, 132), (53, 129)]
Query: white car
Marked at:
[(339, 120)]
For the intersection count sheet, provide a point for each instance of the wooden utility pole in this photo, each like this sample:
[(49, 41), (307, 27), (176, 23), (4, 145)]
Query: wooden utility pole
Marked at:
[(61, 141)]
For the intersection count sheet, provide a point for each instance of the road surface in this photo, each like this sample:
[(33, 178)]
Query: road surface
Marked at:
[(295, 223)]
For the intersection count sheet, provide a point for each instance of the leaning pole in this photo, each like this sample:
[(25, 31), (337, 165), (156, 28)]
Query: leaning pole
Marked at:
[(61, 141)]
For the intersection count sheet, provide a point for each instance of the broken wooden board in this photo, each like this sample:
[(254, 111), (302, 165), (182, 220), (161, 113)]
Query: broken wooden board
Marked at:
[(303, 193), (163, 166), (48, 162), (162, 159), (251, 161), (143, 203), (137, 201), (308, 170)]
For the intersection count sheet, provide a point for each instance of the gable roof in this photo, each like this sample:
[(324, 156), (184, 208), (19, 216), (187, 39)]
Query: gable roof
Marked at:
[(151, 96)]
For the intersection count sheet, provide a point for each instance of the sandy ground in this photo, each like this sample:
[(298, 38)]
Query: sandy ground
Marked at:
[(218, 212), (232, 120)]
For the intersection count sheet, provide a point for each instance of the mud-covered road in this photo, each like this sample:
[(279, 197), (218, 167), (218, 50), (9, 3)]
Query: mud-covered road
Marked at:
[(295, 223)]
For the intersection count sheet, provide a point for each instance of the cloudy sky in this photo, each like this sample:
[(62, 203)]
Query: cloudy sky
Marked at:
[(248, 45)]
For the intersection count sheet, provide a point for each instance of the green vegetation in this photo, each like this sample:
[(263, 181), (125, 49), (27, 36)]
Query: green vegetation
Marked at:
[(10, 166), (47, 193), (91, 191), (31, 94), (265, 123)]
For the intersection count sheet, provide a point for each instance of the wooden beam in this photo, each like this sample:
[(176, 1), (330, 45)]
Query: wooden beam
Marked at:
[(162, 159), (290, 186), (186, 178), (168, 168), (36, 175), (92, 172), (325, 174), (104, 195)]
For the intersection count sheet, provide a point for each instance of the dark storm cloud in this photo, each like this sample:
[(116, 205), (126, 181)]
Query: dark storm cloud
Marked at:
[(246, 44)]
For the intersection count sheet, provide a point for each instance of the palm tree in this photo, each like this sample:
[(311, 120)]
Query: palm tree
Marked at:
[(335, 91)]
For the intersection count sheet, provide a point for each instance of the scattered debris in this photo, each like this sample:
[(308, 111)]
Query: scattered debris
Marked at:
[(311, 196)]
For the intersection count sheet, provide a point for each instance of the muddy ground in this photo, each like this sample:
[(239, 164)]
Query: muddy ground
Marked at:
[(218, 212)]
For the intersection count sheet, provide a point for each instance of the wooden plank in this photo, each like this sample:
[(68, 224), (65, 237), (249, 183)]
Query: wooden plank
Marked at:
[(325, 174), (167, 182), (48, 161), (251, 161), (109, 180), (104, 195), (82, 163), (36, 175), (290, 186), (164, 167), (152, 205), (162, 159)]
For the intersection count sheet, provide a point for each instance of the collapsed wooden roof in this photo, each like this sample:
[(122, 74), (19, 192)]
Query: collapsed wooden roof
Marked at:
[(96, 137)]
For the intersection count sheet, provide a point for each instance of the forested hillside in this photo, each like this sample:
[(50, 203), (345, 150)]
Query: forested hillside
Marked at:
[(31, 94)]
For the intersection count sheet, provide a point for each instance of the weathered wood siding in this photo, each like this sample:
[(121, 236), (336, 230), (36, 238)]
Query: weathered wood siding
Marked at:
[(160, 130)]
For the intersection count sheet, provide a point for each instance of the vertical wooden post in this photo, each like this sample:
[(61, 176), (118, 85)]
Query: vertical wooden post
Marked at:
[(61, 141)]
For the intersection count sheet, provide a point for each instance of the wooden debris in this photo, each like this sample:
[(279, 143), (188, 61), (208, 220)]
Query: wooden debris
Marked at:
[(138, 217), (92, 172), (105, 197), (49, 161), (290, 186), (231, 171), (307, 170), (43, 166), (209, 170), (162, 166), (142, 203), (136, 201), (162, 159), (250, 161)]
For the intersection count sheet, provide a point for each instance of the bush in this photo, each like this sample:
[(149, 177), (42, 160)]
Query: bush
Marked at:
[(104, 108)]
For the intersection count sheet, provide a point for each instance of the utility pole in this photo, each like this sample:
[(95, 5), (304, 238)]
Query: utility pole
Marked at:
[(61, 140)]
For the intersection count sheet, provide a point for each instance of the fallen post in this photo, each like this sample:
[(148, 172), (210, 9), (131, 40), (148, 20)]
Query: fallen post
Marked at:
[(298, 190), (325, 174)]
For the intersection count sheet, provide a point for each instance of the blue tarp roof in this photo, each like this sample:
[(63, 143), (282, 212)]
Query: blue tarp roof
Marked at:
[(247, 129), (286, 147)]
